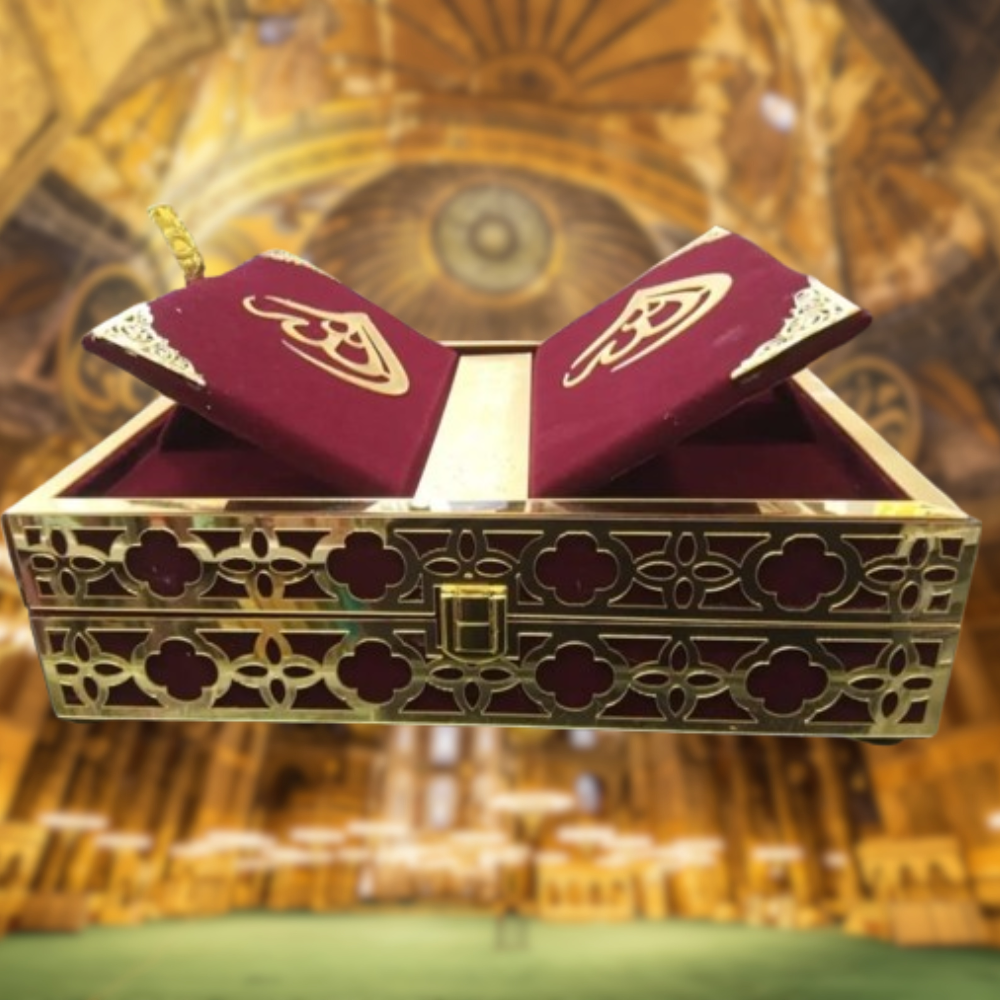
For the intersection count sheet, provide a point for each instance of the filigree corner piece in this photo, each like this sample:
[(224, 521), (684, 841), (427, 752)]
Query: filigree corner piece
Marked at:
[(134, 331), (815, 308)]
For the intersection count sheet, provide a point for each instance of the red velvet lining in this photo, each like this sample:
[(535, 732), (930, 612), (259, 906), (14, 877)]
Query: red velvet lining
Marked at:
[(777, 446)]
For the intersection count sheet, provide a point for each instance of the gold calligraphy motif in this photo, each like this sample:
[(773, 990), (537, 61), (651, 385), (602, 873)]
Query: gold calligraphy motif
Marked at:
[(350, 345), (647, 323)]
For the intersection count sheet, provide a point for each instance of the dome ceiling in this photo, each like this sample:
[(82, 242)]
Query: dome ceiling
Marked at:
[(804, 126), (472, 253)]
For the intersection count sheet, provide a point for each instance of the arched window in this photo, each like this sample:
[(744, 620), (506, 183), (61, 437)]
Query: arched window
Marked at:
[(589, 793), (366, 884), (442, 802), (401, 798), (406, 738), (446, 743), (487, 742)]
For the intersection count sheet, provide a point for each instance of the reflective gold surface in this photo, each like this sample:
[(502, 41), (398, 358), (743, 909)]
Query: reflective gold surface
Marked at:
[(180, 241)]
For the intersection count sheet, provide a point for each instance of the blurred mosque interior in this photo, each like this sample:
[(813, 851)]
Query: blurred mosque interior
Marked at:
[(489, 170)]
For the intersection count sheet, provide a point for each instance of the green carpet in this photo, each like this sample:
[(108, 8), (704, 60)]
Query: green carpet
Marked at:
[(420, 957)]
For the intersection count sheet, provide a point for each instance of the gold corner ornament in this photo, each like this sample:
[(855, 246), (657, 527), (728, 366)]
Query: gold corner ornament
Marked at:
[(134, 331), (646, 324), (180, 241), (353, 348), (815, 308)]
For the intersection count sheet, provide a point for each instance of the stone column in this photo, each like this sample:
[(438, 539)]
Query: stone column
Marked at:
[(788, 825), (836, 816), (737, 819)]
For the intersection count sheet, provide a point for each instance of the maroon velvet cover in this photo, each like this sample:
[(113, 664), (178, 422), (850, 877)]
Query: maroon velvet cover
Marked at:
[(655, 362), (285, 356)]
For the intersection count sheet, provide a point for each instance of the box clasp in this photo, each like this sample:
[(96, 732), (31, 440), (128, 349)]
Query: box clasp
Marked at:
[(472, 620)]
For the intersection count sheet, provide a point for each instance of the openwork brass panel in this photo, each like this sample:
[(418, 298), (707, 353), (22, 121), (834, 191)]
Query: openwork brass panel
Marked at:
[(768, 616), (751, 624), (852, 681), (667, 568)]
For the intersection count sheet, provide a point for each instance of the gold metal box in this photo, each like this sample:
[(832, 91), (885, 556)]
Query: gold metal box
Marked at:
[(708, 614)]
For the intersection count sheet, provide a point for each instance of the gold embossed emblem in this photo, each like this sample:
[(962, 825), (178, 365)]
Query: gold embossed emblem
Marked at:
[(347, 345), (653, 317)]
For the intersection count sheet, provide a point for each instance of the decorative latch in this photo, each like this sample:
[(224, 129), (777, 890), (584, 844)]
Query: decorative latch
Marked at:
[(472, 620)]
